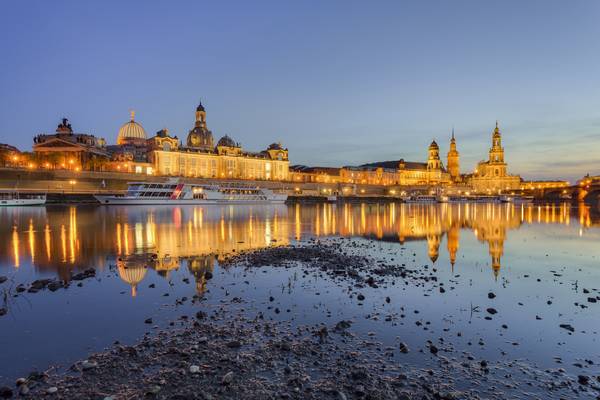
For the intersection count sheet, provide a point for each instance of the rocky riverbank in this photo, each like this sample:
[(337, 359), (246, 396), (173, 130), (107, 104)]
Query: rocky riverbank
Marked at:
[(236, 351)]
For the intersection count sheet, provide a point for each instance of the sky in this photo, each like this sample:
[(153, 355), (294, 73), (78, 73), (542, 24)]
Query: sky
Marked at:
[(337, 82)]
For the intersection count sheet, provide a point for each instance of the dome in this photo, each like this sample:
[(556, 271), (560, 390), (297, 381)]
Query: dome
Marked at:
[(433, 146), (131, 273), (226, 141), (275, 146), (131, 132), (200, 138)]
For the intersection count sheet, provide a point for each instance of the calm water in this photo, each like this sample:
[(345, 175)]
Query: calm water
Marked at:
[(537, 259)]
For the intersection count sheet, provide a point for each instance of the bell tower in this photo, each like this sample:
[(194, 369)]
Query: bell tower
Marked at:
[(433, 159), (453, 160), (497, 152), (200, 116)]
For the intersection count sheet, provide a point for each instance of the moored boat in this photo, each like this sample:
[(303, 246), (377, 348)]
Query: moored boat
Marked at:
[(178, 193), (422, 199), (16, 198)]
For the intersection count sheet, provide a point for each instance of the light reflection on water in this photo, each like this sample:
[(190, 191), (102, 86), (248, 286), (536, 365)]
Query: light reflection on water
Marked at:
[(491, 246), (60, 239)]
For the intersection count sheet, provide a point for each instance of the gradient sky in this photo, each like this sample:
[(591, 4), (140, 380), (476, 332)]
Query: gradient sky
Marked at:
[(338, 82)]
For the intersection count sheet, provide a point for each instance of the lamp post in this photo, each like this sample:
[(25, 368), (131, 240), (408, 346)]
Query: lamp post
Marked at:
[(72, 182)]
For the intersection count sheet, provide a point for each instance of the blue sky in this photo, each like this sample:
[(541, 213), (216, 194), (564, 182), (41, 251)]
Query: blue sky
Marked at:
[(338, 82)]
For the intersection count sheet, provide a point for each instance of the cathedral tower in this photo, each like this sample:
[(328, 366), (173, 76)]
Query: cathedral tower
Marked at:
[(497, 152), (453, 160), (433, 159), (200, 137)]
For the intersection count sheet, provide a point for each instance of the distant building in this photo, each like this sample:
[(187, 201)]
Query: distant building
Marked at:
[(9, 155), (302, 173), (202, 159), (130, 154), (492, 175), (66, 149), (406, 173), (453, 162)]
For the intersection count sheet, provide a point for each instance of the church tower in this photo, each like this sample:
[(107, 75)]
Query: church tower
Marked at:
[(453, 160), (433, 159), (200, 137), (497, 152), (200, 116)]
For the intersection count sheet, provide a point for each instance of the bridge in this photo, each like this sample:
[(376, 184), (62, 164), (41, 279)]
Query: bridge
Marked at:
[(586, 190)]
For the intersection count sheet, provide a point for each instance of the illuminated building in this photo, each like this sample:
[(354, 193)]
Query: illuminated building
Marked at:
[(302, 173), (491, 175), (130, 154), (68, 150), (9, 155), (453, 162), (400, 172), (199, 159)]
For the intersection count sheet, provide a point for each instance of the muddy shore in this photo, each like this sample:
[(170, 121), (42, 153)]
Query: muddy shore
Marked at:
[(234, 351)]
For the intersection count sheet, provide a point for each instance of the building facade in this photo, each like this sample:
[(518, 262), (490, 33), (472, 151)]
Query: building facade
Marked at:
[(492, 175), (200, 158), (69, 150), (403, 173)]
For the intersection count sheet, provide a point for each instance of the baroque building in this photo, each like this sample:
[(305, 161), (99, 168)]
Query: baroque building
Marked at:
[(400, 172), (200, 158), (492, 175), (70, 150), (200, 137)]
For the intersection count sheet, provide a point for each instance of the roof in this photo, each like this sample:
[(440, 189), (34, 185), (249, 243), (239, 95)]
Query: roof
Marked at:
[(8, 147), (395, 164), (131, 130), (315, 170)]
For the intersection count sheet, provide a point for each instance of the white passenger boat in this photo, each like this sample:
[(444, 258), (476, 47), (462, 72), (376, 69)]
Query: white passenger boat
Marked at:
[(177, 193), (422, 199), (15, 198)]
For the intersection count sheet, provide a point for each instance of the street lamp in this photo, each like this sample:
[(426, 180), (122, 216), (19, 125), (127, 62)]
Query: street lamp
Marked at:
[(72, 182)]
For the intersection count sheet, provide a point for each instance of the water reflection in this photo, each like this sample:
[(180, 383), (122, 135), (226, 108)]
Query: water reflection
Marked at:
[(56, 240)]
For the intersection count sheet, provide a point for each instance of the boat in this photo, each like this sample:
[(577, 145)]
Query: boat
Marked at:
[(523, 199), (565, 197), (422, 199), (16, 198), (177, 193), (332, 199), (487, 199)]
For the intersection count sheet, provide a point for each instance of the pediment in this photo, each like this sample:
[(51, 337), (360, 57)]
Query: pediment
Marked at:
[(57, 142)]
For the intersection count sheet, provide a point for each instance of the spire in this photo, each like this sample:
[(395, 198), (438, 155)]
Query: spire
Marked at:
[(132, 114), (452, 132)]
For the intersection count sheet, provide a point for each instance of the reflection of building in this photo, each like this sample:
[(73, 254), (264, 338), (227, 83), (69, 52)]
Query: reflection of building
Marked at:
[(199, 266), (132, 270), (453, 238), (492, 175), (62, 240), (200, 158), (66, 149)]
